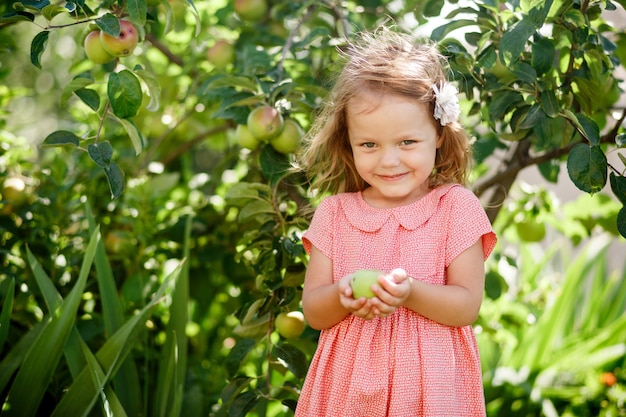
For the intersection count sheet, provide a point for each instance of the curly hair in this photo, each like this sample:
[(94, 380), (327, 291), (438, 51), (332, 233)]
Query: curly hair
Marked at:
[(384, 62)]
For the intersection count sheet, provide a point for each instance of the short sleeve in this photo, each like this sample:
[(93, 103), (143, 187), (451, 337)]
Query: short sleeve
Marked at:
[(319, 233), (467, 223)]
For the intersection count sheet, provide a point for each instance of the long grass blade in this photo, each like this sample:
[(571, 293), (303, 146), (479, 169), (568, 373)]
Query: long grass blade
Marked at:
[(173, 388), (5, 314), (126, 381), (36, 371)]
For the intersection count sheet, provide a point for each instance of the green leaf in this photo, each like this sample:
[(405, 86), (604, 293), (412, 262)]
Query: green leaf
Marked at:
[(621, 222), (77, 83), (502, 102), (137, 10), (126, 382), (292, 358), (90, 97), (533, 117), (234, 387), (513, 41), (587, 167), (7, 309), (49, 12), (549, 103), (17, 17), (239, 194), (440, 32), (243, 403), (154, 88), (237, 354), (41, 361), (620, 140), (134, 134), (115, 177), (37, 47), (61, 138), (255, 210), (542, 58), (274, 165), (618, 186), (101, 153), (589, 129), (109, 24), (124, 92)]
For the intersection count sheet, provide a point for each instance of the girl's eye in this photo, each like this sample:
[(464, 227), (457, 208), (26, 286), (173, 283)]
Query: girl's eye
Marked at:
[(368, 144), (408, 142)]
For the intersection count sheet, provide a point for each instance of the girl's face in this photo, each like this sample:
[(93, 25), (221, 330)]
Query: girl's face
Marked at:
[(394, 142)]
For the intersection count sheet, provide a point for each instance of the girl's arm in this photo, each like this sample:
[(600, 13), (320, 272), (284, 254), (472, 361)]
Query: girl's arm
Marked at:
[(326, 303), (455, 304)]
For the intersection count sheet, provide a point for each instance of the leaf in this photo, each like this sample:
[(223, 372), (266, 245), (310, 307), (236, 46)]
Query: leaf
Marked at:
[(61, 138), (621, 221), (115, 177), (234, 387), (49, 12), (292, 358), (274, 165), (242, 404), (618, 186), (542, 58), (17, 17), (134, 134), (549, 103), (124, 92), (77, 83), (37, 47), (90, 97), (587, 167), (241, 193), (255, 210), (154, 89), (513, 41), (137, 10), (440, 32), (237, 354), (589, 129), (620, 140), (109, 24), (101, 153), (502, 102), (7, 309)]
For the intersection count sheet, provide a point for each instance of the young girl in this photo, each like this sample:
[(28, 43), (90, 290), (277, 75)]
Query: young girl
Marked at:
[(389, 147)]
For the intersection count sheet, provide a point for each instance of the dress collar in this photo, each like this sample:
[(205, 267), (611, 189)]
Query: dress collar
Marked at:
[(370, 219)]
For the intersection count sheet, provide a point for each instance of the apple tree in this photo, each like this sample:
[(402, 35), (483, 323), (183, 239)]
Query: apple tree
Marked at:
[(169, 126)]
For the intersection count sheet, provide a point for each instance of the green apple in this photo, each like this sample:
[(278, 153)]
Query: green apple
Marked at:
[(362, 282), (290, 325), (531, 230), (251, 10), (245, 139), (94, 50), (265, 122), (124, 44), (289, 139), (221, 54), (14, 191)]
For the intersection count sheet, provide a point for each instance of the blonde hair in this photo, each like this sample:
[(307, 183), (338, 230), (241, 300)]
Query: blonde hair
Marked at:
[(385, 62)]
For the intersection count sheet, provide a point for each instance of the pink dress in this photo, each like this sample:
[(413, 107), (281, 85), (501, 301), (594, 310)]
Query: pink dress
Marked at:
[(405, 364)]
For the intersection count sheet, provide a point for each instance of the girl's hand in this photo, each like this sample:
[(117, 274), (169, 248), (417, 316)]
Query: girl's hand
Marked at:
[(394, 289), (362, 307)]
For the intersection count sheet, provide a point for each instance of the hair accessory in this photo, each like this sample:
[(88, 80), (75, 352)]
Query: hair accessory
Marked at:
[(447, 107)]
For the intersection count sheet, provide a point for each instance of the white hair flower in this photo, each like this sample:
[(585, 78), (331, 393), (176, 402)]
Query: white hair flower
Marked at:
[(447, 107)]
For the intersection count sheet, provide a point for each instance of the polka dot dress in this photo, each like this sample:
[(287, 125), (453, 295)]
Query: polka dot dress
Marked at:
[(404, 365)]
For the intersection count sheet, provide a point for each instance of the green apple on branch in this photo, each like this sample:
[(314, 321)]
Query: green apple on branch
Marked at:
[(265, 122), (290, 325), (124, 44), (95, 50)]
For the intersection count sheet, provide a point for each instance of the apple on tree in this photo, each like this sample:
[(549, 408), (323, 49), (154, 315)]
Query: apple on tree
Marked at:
[(251, 10), (290, 325), (14, 191), (94, 50), (221, 54), (289, 139), (124, 44), (265, 122), (362, 281), (245, 139)]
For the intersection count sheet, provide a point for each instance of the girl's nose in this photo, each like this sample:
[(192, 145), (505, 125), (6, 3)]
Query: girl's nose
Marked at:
[(390, 158)]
